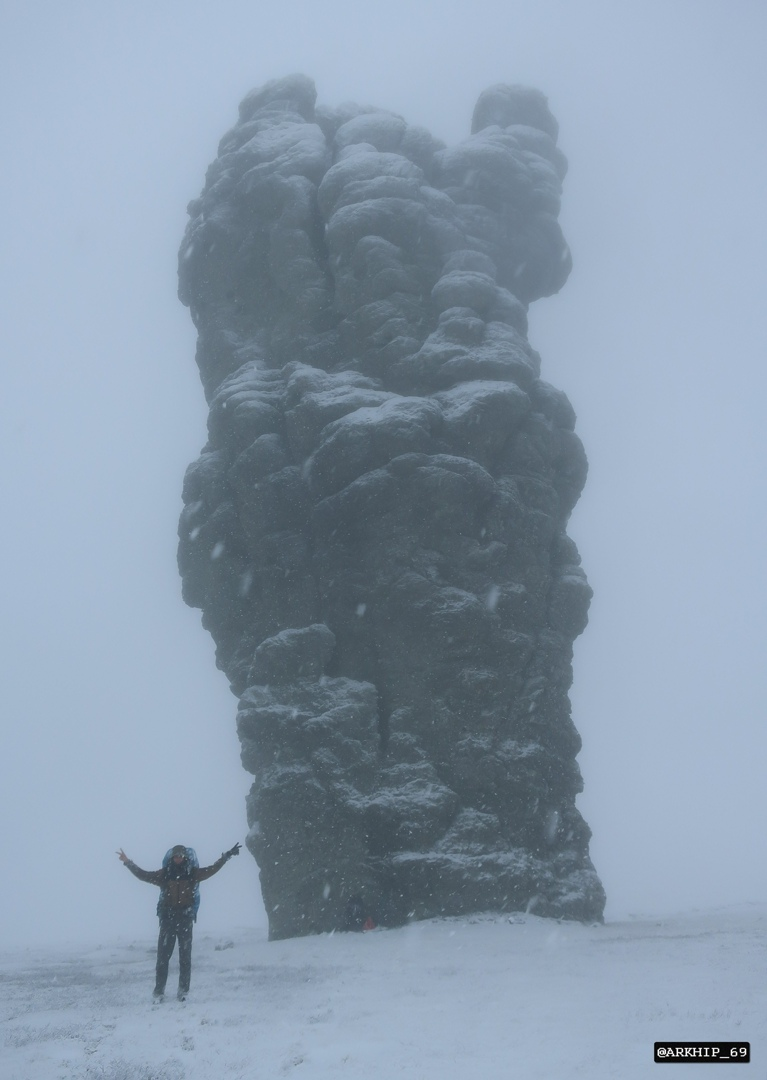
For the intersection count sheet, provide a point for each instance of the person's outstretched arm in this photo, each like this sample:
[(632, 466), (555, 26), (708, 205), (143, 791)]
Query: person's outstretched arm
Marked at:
[(208, 871), (154, 877)]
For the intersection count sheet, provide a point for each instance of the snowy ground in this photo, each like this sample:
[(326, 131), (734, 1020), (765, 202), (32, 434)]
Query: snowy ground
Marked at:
[(488, 997)]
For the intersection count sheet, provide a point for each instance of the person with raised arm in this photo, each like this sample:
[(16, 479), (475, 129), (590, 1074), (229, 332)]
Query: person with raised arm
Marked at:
[(179, 880)]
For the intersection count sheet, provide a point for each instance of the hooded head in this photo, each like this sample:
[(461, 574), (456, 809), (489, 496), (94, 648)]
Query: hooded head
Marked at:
[(178, 865)]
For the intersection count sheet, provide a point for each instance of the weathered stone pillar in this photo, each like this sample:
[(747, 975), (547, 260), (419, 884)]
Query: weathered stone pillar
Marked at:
[(375, 529)]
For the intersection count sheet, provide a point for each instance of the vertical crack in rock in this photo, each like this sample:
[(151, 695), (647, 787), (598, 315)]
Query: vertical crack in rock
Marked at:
[(375, 529)]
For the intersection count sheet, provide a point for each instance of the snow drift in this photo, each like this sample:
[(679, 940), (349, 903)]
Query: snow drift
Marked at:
[(486, 996)]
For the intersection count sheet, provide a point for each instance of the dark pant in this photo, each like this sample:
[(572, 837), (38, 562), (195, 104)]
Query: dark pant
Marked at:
[(174, 926)]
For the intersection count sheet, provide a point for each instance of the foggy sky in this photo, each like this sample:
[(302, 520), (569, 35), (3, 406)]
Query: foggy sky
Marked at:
[(117, 728)]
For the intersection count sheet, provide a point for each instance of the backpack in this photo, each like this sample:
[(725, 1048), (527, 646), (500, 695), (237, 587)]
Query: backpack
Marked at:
[(194, 862)]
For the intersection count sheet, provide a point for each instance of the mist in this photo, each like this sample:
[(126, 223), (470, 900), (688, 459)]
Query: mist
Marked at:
[(118, 728)]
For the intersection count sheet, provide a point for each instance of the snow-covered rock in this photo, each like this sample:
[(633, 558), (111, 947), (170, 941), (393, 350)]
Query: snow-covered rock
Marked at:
[(375, 530)]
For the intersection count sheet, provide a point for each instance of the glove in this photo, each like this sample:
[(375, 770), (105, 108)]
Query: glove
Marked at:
[(232, 851)]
